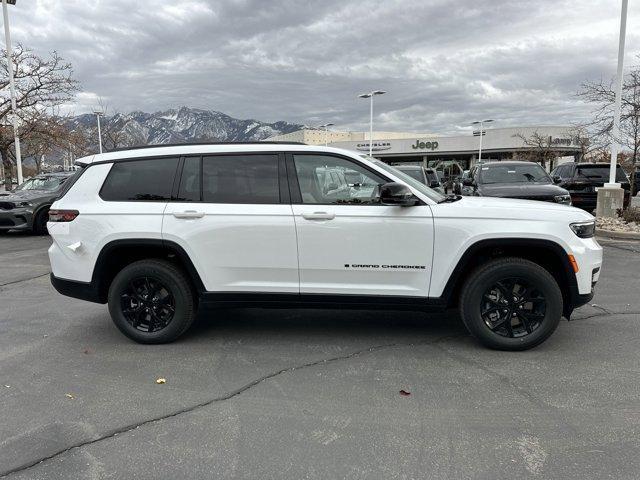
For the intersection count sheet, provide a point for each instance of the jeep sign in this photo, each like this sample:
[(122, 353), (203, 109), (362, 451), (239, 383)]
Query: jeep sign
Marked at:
[(425, 145)]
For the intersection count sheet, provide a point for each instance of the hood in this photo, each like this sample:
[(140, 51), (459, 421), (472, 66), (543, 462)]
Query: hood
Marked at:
[(506, 209), (521, 190), (26, 195)]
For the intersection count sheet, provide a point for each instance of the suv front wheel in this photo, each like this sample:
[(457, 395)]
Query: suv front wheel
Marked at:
[(511, 304), (151, 301)]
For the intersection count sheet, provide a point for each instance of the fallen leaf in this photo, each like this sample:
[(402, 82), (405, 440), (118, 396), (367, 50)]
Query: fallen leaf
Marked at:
[(404, 393), (68, 395), (86, 351), (160, 381)]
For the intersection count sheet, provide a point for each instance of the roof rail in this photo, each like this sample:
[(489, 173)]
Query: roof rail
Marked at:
[(161, 145)]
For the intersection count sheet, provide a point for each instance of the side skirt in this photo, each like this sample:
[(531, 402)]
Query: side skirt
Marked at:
[(318, 300)]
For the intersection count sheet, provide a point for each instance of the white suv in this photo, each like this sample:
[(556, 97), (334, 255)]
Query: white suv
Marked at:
[(158, 231)]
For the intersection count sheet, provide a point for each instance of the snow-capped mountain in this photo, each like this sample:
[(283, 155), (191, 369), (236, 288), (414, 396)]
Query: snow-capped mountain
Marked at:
[(183, 125)]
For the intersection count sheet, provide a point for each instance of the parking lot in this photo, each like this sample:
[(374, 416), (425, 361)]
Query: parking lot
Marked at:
[(313, 394)]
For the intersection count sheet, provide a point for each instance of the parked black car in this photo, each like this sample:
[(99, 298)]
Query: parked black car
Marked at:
[(513, 179), (27, 206), (427, 176), (582, 179)]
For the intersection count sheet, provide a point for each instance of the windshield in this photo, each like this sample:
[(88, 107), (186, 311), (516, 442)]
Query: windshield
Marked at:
[(414, 173), (421, 187), (522, 173), (42, 183), (600, 173)]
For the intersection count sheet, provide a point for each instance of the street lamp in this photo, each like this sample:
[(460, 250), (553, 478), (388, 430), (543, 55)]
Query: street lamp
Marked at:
[(616, 114), (611, 196), (371, 95), (12, 87), (325, 126), (481, 123), (99, 114)]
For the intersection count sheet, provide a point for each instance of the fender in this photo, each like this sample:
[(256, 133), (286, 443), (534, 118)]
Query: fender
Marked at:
[(571, 297), (103, 261)]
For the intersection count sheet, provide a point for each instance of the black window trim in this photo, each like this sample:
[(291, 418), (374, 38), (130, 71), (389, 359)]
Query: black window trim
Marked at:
[(294, 186)]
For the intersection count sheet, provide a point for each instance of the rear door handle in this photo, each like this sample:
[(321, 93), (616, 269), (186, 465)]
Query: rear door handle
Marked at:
[(319, 216), (188, 214)]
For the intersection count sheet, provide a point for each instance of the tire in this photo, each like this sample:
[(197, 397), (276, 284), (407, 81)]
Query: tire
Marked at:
[(151, 301), (40, 222), (531, 315)]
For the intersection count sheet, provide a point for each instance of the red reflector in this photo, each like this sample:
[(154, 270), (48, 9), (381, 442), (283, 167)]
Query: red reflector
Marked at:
[(63, 215)]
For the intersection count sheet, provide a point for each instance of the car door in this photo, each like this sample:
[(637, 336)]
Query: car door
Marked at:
[(231, 214), (349, 244)]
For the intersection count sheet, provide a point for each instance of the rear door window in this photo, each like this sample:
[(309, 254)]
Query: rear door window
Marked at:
[(140, 180), (243, 178)]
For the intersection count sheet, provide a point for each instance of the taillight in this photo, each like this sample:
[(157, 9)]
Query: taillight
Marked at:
[(63, 215)]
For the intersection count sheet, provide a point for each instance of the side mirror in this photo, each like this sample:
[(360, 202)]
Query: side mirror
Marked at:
[(556, 179), (434, 184), (394, 193), (468, 182)]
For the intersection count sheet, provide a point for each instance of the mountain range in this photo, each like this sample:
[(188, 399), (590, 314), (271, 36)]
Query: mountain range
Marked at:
[(182, 125)]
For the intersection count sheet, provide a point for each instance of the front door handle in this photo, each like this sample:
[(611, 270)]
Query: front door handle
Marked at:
[(188, 214), (319, 216)]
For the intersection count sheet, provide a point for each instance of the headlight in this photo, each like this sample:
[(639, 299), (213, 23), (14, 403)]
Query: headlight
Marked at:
[(23, 204), (565, 199), (584, 229)]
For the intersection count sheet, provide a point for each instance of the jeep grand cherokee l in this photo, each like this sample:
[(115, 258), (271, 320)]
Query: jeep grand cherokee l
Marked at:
[(157, 232)]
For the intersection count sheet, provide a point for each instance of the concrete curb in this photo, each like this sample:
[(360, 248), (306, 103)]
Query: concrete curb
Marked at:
[(617, 235)]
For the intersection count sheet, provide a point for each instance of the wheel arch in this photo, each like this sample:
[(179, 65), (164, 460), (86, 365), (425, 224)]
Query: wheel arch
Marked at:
[(546, 253), (116, 254)]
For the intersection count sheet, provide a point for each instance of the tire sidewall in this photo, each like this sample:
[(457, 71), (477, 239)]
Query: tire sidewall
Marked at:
[(182, 317), (40, 226), (528, 271)]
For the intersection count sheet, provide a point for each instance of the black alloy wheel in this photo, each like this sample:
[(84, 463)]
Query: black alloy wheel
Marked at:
[(513, 307), (147, 304), (152, 301), (511, 303)]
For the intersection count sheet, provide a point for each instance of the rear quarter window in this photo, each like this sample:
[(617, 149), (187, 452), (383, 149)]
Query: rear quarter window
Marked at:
[(140, 180)]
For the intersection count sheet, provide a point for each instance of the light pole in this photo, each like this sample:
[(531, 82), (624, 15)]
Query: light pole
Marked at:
[(12, 87), (616, 114), (326, 126), (371, 95), (98, 114), (481, 123), (610, 197)]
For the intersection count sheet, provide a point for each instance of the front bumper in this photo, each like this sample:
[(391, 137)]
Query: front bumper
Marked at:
[(16, 219)]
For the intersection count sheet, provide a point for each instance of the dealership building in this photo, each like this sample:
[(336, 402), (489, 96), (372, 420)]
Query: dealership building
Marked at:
[(435, 150)]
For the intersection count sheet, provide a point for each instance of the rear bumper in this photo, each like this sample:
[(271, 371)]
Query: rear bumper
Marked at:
[(74, 289)]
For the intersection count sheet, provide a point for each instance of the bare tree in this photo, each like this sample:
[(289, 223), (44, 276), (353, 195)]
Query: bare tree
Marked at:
[(41, 84), (541, 149), (602, 95)]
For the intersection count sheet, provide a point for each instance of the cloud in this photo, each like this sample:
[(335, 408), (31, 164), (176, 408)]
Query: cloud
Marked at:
[(443, 63)]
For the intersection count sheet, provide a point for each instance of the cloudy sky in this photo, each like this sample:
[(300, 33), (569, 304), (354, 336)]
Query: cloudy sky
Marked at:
[(443, 63)]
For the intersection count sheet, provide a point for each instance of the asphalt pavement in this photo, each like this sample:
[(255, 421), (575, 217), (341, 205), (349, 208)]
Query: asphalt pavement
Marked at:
[(292, 394)]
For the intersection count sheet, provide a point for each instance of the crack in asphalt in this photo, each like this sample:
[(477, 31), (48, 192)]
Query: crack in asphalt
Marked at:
[(618, 247), (227, 396), (24, 279), (604, 313)]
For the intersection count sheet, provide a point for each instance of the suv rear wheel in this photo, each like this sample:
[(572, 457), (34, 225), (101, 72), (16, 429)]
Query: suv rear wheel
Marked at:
[(511, 304), (151, 301)]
